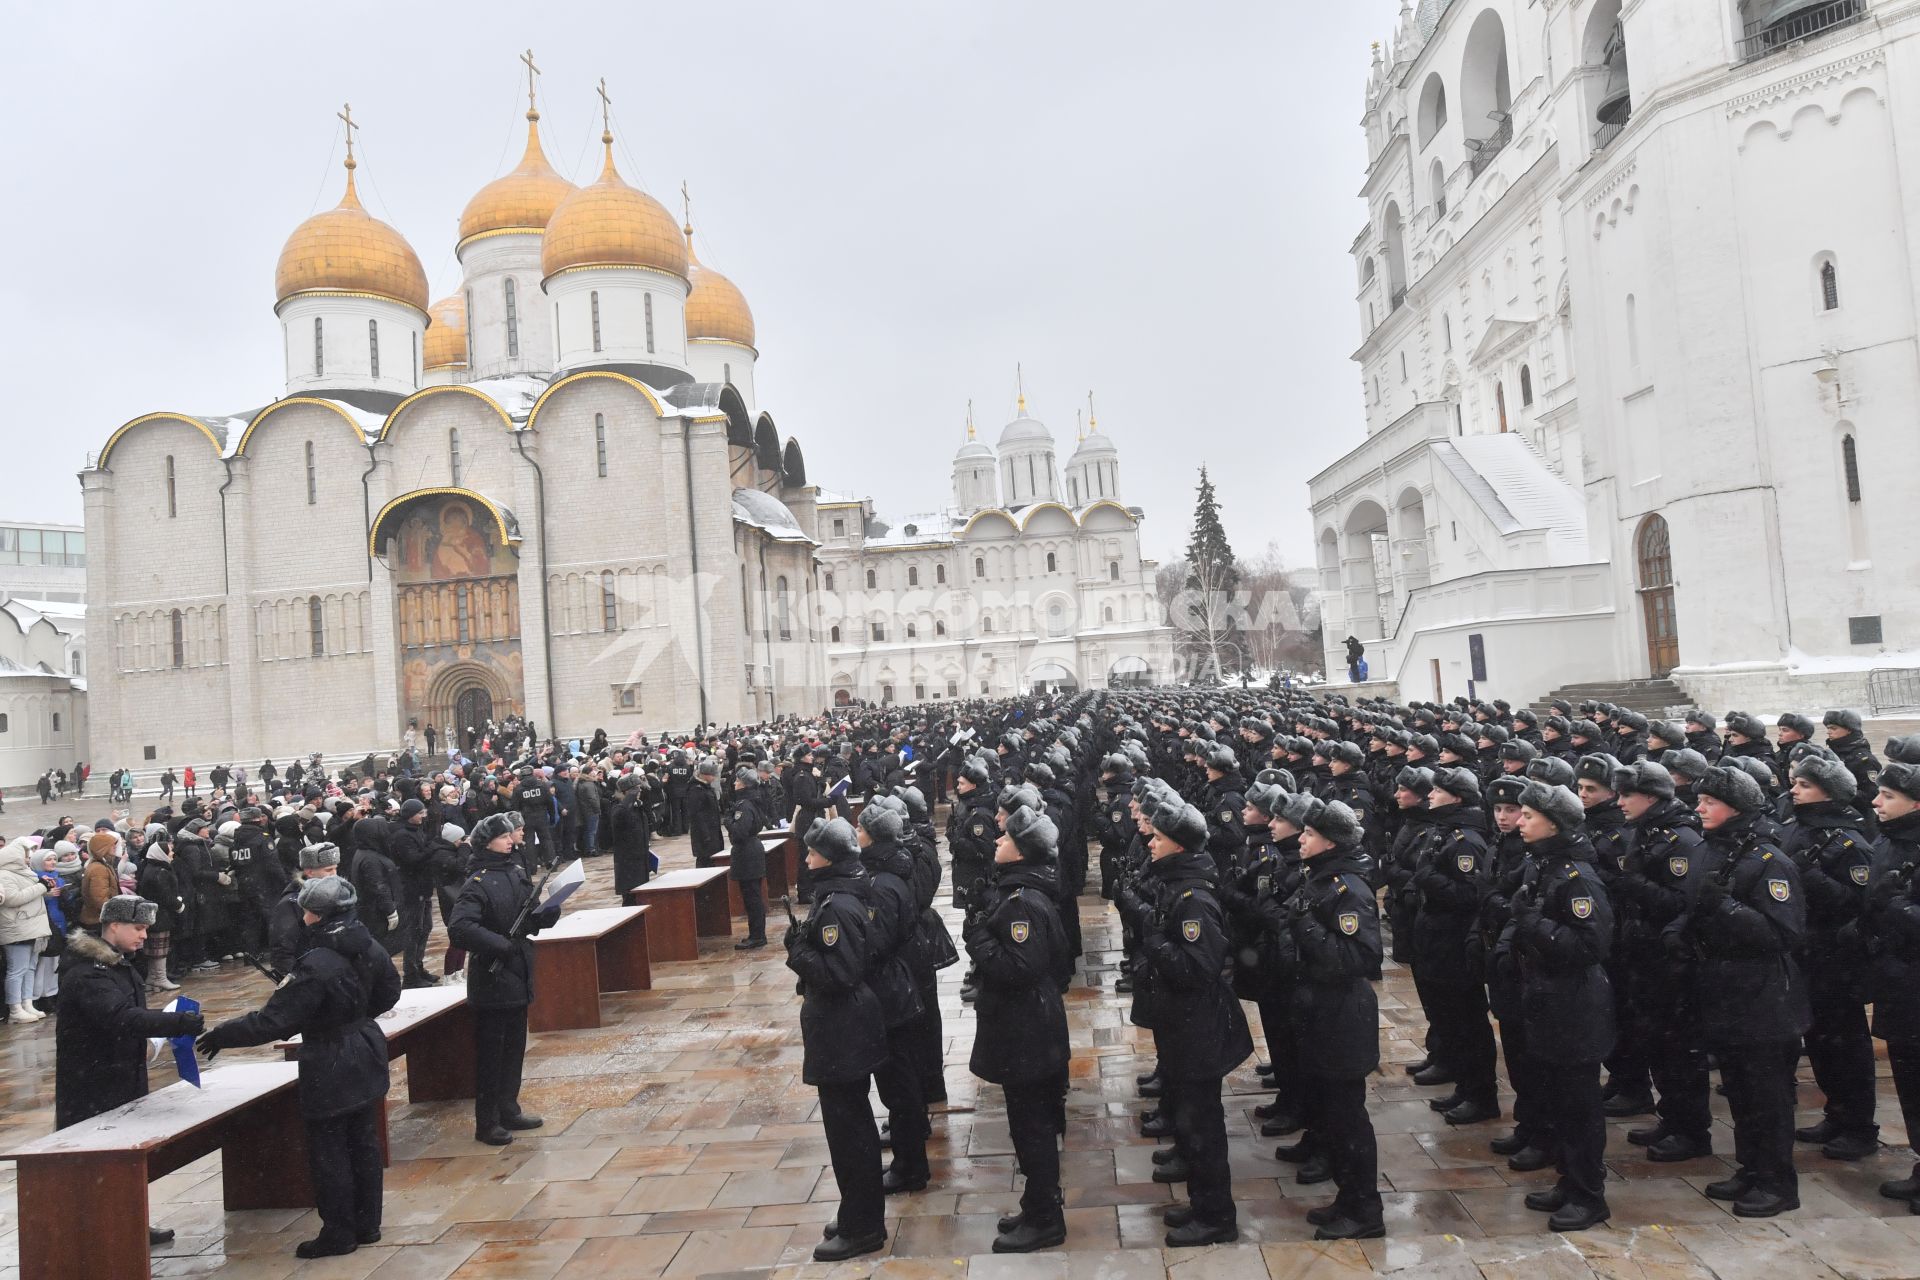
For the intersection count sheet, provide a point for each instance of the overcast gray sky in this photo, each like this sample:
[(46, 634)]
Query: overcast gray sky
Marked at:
[(1152, 201)]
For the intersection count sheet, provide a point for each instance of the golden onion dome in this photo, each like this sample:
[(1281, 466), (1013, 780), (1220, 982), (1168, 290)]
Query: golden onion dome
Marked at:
[(611, 224), (445, 346), (348, 250), (715, 307), (523, 200)]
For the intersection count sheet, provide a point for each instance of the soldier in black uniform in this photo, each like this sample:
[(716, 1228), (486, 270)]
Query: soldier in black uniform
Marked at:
[(1833, 851), (500, 976), (1222, 804), (1561, 933), (1890, 925), (1017, 946), (679, 788), (845, 1034), (972, 831), (895, 917), (342, 981), (1451, 877), (632, 840), (748, 865), (1529, 1146), (1333, 937), (1628, 1090), (1113, 824), (1744, 926), (534, 799), (1198, 1027), (1667, 859), (704, 822)]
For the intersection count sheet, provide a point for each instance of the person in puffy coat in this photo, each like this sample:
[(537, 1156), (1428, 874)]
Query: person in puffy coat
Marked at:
[(158, 885), (342, 981), (376, 878), (500, 973), (632, 837), (1746, 924), (1016, 944), (1560, 930), (844, 1031), (101, 880), (24, 928)]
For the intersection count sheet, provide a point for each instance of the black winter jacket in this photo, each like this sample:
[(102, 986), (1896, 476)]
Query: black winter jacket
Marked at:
[(342, 981), (100, 1040), (1017, 946), (1891, 927), (1745, 924), (841, 1022), (501, 976), (1198, 1025), (1561, 933), (1333, 946)]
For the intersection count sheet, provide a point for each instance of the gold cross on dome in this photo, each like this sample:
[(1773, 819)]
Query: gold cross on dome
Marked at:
[(606, 107), (346, 114), (686, 206), (532, 71)]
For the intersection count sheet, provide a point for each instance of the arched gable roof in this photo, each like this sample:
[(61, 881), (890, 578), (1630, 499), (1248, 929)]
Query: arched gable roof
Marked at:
[(1037, 508), (766, 445), (196, 423), (246, 437), (534, 415), (455, 388), (990, 511), (793, 466), (503, 519), (1111, 505)]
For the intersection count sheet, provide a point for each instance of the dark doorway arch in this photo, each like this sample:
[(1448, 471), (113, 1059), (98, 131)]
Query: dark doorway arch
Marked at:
[(1653, 551)]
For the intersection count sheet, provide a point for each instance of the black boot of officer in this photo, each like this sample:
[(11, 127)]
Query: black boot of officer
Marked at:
[(1017, 945), (844, 1033), (500, 973)]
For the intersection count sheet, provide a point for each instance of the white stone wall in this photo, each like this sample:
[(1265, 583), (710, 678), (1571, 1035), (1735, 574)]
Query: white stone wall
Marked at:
[(714, 360), (489, 263), (348, 342), (622, 294)]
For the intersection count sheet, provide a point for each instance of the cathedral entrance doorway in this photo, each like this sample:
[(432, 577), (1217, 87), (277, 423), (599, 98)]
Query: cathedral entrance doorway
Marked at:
[(474, 706), (455, 562), (1655, 555)]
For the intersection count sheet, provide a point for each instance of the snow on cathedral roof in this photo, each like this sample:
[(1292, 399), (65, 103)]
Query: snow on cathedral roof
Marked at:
[(764, 511)]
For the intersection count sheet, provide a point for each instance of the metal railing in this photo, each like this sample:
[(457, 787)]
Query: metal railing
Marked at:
[(1761, 39), (1893, 689), (1603, 136), (1491, 145)]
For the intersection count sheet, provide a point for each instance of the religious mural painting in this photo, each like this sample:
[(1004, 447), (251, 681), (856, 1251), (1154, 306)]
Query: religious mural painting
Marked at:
[(456, 586)]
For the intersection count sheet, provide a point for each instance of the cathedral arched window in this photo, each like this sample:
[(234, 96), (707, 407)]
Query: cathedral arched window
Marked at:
[(913, 575), (178, 620), (979, 566), (1526, 387), (913, 632), (783, 607), (513, 320), (416, 358), (939, 627), (609, 603), (1829, 286), (173, 506), (313, 478), (453, 453), (319, 347), (1850, 464), (826, 580), (600, 443), (646, 301), (593, 304), (373, 346), (1113, 571), (940, 573), (833, 634), (1052, 565), (871, 580), (316, 627), (469, 294), (986, 624)]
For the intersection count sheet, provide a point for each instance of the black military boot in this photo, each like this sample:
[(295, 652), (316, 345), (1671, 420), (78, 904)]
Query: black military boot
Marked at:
[(1676, 1147), (838, 1248), (1175, 1170), (1197, 1232), (1041, 1229)]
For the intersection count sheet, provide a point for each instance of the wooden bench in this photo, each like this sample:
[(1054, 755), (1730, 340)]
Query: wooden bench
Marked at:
[(100, 1168), (689, 904), (736, 905), (588, 952), (432, 1028), (783, 862)]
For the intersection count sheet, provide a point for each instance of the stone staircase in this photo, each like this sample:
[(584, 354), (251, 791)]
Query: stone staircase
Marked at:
[(1651, 698)]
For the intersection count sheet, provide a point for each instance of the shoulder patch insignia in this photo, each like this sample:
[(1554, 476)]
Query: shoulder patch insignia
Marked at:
[(1677, 868), (1190, 930), (1226, 816), (829, 934), (1780, 890), (1349, 922), (1263, 884), (1021, 929), (1573, 873), (1858, 874), (1465, 863), (1582, 908)]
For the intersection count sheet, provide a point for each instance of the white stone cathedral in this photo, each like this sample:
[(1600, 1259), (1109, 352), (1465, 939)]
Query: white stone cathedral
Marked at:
[(553, 493), (1636, 302)]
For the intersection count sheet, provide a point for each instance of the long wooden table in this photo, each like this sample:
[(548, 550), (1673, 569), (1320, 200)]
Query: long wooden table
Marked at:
[(689, 904), (99, 1169), (432, 1028), (588, 952), (783, 862)]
